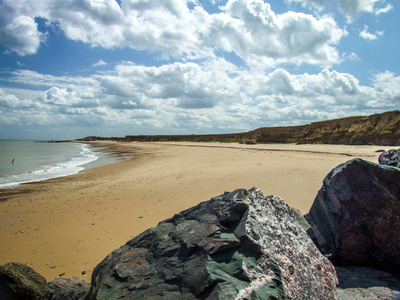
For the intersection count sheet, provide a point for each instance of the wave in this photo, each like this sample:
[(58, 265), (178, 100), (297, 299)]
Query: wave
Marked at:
[(65, 168)]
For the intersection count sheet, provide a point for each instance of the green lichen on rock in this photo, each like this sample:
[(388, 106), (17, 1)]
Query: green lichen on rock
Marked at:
[(300, 219)]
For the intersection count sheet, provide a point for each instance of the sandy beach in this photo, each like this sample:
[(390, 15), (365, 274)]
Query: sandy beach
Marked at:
[(66, 226)]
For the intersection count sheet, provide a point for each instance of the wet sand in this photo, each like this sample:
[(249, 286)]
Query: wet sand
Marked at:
[(66, 226)]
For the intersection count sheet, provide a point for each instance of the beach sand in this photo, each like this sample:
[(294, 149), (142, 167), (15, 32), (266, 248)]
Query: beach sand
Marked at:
[(68, 225)]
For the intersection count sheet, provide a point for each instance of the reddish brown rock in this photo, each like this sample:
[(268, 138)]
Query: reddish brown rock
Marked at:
[(355, 217)]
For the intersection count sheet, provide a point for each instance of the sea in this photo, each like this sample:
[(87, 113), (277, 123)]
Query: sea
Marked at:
[(32, 161)]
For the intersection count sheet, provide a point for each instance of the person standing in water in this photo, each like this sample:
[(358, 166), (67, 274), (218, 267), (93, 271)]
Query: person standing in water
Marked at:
[(13, 161)]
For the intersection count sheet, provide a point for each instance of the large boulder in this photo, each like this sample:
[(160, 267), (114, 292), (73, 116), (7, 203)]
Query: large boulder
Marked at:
[(355, 217), (20, 282), (390, 158), (241, 245)]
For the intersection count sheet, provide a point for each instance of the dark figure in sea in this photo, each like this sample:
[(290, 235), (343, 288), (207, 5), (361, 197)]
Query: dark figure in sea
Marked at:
[(13, 161)]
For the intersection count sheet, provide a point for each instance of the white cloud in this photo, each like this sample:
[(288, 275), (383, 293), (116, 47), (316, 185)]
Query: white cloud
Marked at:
[(384, 10), (387, 86), (19, 32), (367, 35), (100, 63), (187, 85), (170, 29), (370, 36), (350, 56), (32, 78), (213, 96), (350, 8), (71, 96), (10, 101), (262, 38)]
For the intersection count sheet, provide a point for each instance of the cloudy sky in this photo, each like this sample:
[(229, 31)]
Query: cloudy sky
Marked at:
[(74, 68)]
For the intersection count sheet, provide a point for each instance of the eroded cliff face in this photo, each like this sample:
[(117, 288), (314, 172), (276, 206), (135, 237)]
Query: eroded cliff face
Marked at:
[(378, 129), (241, 245)]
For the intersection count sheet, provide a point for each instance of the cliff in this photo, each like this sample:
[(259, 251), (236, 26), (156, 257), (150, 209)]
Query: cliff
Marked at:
[(378, 129)]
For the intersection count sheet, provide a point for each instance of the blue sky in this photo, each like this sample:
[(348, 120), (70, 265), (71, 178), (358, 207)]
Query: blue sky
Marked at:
[(75, 68)]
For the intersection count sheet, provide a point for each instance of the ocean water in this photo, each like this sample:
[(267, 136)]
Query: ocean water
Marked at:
[(28, 161)]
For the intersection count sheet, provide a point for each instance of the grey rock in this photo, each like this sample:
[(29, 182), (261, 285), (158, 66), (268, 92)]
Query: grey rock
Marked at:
[(366, 283), (355, 217), (240, 245), (372, 293), (390, 158), (20, 282), (74, 288)]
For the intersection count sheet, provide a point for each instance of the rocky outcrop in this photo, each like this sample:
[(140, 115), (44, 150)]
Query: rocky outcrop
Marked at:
[(355, 216), (19, 282), (241, 245), (71, 289), (390, 158)]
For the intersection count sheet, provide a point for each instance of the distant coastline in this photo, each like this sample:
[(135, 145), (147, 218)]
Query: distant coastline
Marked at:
[(376, 129)]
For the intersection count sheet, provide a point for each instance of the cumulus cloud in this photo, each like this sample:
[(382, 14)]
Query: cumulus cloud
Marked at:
[(10, 101), (71, 96), (261, 37), (212, 96), (18, 32), (387, 85), (187, 85), (350, 8), (172, 29)]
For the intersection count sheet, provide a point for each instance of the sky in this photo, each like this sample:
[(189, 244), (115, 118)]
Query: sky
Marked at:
[(76, 68)]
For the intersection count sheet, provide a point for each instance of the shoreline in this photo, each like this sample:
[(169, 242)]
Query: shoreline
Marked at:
[(49, 163), (67, 225)]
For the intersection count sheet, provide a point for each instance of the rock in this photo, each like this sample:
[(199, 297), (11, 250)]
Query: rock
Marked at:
[(71, 289), (18, 281), (372, 293), (390, 158), (241, 245), (355, 217), (366, 283)]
